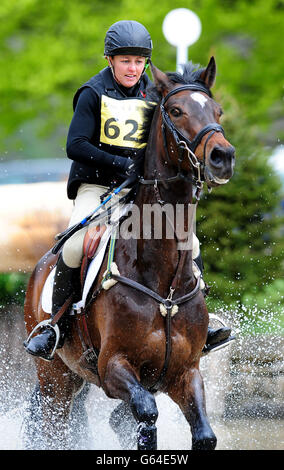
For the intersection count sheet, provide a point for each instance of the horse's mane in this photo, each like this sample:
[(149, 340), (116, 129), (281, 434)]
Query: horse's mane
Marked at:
[(191, 73)]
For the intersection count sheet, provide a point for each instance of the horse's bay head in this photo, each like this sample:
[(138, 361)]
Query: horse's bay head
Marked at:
[(193, 116)]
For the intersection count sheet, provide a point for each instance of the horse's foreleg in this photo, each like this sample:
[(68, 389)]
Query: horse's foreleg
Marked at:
[(121, 382), (189, 394)]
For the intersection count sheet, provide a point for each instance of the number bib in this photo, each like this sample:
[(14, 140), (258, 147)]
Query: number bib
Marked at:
[(122, 122)]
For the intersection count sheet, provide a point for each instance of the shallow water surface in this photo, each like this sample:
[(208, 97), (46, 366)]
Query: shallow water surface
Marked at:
[(17, 378), (173, 430)]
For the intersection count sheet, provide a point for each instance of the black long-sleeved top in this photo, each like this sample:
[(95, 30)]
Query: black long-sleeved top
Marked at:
[(95, 159)]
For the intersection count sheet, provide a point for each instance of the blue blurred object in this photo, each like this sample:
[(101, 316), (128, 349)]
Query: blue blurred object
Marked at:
[(34, 170)]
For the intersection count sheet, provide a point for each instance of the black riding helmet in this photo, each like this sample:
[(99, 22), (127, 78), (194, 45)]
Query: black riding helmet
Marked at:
[(128, 37)]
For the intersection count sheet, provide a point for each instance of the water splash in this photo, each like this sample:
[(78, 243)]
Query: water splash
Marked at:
[(252, 368)]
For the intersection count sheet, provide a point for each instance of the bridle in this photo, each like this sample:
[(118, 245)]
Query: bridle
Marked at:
[(184, 145)]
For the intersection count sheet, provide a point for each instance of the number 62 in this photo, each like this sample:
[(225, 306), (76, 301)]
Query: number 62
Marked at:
[(112, 131)]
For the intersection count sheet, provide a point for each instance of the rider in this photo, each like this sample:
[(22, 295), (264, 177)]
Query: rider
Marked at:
[(103, 154)]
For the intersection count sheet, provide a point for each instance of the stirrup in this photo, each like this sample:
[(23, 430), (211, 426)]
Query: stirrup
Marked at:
[(47, 323), (216, 347), (222, 344)]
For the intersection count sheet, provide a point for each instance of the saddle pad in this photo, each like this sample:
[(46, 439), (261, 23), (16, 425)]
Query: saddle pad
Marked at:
[(46, 297), (94, 267)]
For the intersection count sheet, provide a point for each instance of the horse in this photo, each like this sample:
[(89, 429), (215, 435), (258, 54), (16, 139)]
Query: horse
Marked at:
[(146, 333)]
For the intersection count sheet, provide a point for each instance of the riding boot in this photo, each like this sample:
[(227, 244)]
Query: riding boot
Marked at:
[(215, 337), (43, 344)]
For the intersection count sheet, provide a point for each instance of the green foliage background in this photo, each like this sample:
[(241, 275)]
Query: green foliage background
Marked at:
[(48, 49)]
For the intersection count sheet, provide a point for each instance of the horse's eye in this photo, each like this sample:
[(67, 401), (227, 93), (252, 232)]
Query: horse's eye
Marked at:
[(176, 112)]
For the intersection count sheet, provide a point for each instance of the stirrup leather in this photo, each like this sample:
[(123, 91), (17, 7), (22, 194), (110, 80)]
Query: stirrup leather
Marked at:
[(47, 323)]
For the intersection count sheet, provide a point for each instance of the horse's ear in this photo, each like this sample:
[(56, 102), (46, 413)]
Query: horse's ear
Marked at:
[(209, 74), (161, 80)]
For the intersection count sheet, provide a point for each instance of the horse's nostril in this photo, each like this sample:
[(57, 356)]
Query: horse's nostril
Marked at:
[(217, 157), (222, 156)]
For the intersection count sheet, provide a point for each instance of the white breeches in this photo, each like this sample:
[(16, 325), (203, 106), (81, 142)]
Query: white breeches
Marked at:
[(88, 198)]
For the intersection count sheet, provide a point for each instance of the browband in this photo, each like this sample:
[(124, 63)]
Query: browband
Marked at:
[(191, 86), (192, 144)]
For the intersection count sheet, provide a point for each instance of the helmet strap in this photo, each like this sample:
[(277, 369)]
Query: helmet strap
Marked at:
[(111, 68)]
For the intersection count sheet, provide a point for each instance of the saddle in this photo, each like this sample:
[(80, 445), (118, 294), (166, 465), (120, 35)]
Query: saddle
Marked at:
[(91, 242), (94, 247), (92, 258)]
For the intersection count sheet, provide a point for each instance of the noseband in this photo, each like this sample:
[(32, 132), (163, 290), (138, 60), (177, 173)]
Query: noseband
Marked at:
[(182, 142)]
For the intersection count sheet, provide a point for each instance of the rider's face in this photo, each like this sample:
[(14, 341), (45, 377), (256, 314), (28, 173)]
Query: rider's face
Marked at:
[(127, 69)]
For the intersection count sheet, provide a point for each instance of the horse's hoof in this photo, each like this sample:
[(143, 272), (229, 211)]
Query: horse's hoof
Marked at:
[(206, 443), (147, 437)]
